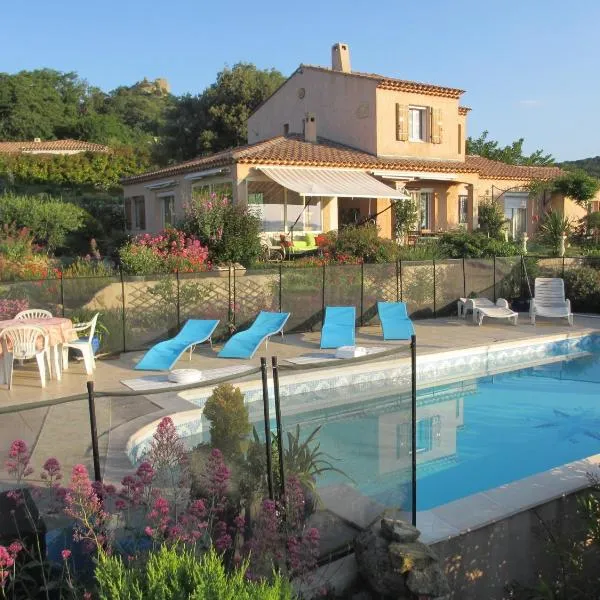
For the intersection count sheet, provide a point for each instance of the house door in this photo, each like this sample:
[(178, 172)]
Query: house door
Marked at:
[(515, 210)]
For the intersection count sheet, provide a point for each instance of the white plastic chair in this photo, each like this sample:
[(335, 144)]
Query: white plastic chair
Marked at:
[(33, 313), (20, 342), (549, 300), (83, 345)]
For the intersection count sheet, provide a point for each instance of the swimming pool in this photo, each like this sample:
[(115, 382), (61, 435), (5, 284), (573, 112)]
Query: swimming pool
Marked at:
[(472, 435)]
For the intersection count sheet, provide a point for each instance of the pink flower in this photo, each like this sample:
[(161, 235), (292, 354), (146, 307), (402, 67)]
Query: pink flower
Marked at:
[(66, 554), (149, 531)]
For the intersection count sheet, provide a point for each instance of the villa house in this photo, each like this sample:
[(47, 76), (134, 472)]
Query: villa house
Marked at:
[(333, 146)]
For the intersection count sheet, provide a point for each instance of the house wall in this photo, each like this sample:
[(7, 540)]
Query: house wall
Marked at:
[(344, 107), (388, 145)]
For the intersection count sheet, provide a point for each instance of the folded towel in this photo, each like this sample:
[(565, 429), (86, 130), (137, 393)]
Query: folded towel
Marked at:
[(183, 376), (350, 352)]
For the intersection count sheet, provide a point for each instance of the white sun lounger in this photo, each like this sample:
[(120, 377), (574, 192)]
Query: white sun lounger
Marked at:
[(500, 310), (549, 300)]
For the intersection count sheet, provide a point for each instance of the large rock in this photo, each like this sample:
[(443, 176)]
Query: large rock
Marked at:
[(396, 565), (429, 581), (395, 530)]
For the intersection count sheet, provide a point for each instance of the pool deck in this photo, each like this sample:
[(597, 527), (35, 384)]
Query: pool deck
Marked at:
[(63, 430)]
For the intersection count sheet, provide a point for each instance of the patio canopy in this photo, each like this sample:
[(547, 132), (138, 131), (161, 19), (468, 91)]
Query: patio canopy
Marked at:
[(332, 182)]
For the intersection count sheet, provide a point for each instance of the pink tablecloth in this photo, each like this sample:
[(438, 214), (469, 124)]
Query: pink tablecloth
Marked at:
[(59, 330)]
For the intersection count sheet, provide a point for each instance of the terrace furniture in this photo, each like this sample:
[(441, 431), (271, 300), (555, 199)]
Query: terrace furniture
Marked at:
[(33, 313), (83, 345), (245, 343), (59, 331), (162, 356), (395, 322), (271, 250), (21, 342), (338, 327), (500, 310), (466, 304), (549, 300)]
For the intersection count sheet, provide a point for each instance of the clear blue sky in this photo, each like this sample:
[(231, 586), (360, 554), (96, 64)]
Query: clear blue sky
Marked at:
[(530, 67)]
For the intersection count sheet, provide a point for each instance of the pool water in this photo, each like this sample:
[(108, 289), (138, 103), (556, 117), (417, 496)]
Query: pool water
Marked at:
[(471, 436)]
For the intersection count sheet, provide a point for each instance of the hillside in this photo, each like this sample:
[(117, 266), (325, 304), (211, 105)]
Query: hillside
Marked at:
[(590, 165)]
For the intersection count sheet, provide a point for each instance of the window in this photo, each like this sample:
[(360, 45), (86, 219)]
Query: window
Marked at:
[(266, 201), (128, 218), (168, 210), (463, 210), (139, 212), (417, 124), (221, 190)]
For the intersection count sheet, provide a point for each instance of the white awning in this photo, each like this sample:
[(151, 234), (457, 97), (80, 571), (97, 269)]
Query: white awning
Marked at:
[(332, 182)]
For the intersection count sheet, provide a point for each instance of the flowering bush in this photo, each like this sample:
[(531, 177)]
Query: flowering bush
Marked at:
[(169, 251), (230, 232), (9, 307), (153, 509)]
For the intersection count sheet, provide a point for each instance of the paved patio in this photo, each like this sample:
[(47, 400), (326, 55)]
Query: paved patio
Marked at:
[(63, 430)]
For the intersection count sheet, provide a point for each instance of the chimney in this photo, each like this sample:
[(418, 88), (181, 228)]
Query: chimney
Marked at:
[(340, 58), (310, 128)]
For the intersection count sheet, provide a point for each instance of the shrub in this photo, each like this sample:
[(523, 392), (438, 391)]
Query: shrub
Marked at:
[(169, 251), (361, 242), (462, 244), (49, 220), (491, 218), (229, 231), (88, 267), (174, 572), (406, 215), (228, 416), (582, 287)]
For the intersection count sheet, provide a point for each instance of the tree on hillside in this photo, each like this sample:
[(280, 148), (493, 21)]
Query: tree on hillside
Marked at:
[(50, 104), (590, 165), (216, 118), (511, 154), (39, 103)]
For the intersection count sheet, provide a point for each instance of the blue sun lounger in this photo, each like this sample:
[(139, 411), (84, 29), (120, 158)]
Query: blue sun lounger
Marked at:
[(245, 343), (394, 321), (164, 355), (338, 327)]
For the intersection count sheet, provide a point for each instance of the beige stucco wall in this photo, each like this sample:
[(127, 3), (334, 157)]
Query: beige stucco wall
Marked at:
[(181, 189), (344, 107), (388, 145)]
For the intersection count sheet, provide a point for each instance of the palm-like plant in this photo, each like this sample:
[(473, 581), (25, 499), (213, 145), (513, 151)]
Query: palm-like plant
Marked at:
[(554, 226)]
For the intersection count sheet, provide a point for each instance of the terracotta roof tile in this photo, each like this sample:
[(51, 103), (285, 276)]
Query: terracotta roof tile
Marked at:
[(51, 146), (493, 169), (463, 110), (294, 151), (391, 83)]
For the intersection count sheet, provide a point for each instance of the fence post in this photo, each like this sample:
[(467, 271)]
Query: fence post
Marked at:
[(279, 427), (323, 299), (229, 301), (234, 293), (123, 296), (178, 301), (434, 297), (413, 442), (280, 287), (265, 392), (563, 267), (362, 293), (400, 279), (62, 291), (494, 279), (397, 282), (464, 279), (94, 431)]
